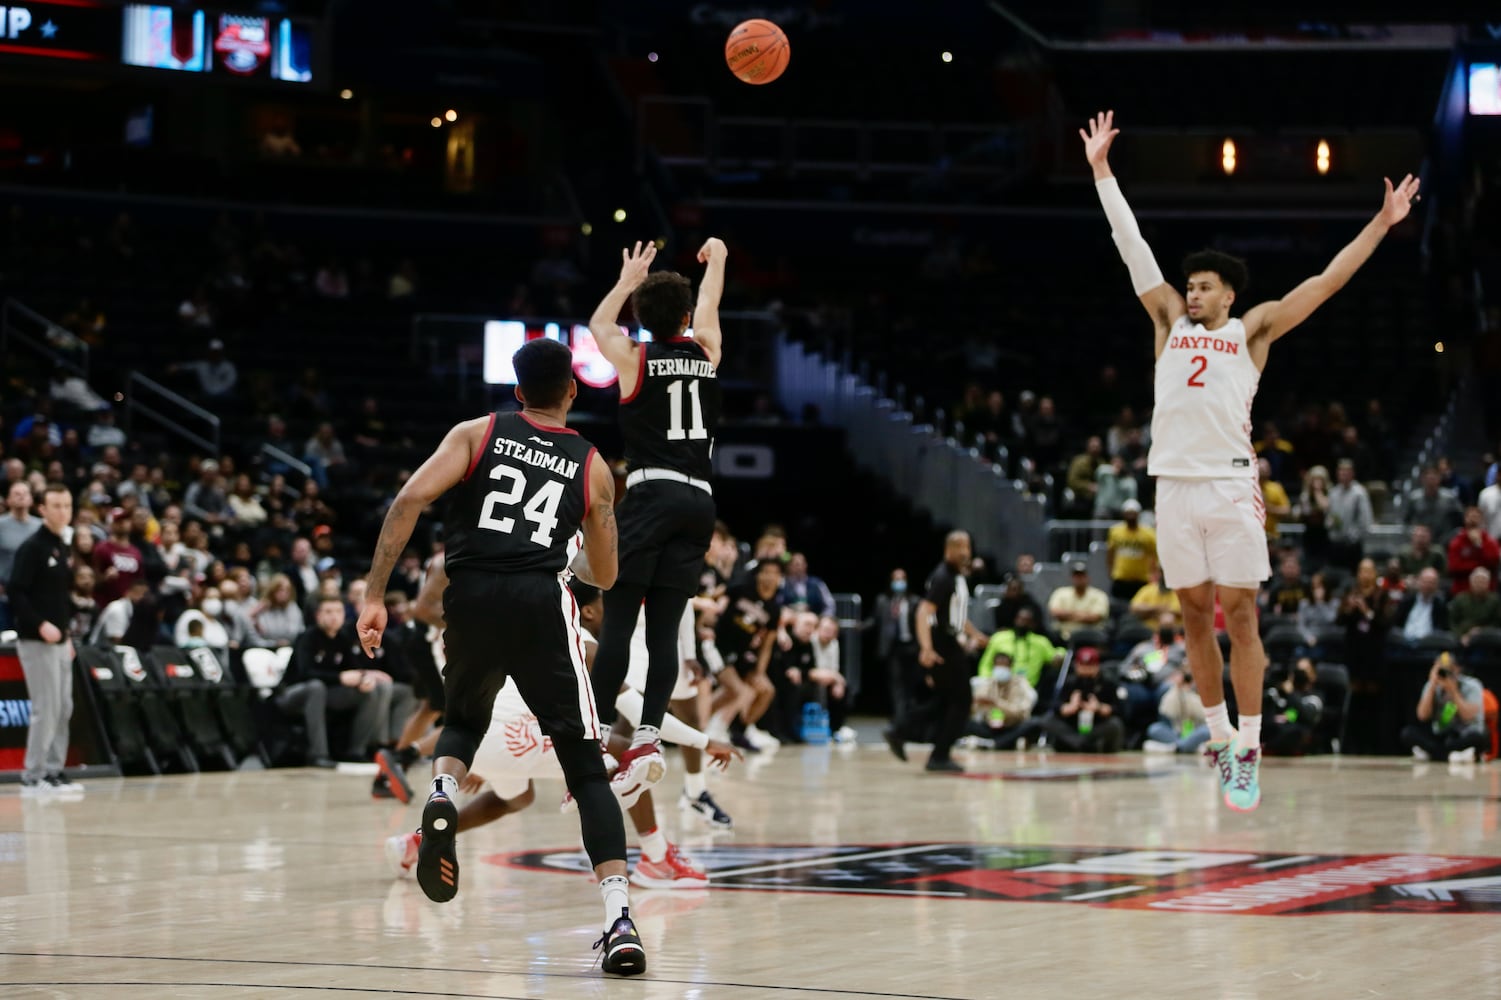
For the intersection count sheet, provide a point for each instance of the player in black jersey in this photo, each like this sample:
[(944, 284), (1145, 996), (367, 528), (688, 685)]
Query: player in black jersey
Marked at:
[(669, 412), (521, 487)]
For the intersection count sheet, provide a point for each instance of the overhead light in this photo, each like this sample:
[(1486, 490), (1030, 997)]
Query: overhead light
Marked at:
[(1227, 156), (346, 93), (947, 56), (451, 115), (651, 57), (1321, 157), (619, 215), (1438, 348), (586, 229), (437, 122)]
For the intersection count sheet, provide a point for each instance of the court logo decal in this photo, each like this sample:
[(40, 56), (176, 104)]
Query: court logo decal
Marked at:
[(1162, 881)]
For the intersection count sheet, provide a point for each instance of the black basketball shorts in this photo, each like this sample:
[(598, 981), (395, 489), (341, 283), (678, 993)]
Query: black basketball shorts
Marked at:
[(665, 529)]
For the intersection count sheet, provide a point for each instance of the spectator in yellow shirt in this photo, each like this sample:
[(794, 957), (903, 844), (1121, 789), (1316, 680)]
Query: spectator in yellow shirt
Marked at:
[(1132, 550), (1278, 505), (1154, 600), (1079, 605)]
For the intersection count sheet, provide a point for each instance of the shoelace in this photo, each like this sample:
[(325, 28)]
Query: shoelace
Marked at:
[(1222, 765), (1245, 770)]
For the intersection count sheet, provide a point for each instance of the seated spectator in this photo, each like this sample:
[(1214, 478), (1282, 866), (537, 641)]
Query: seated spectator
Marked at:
[(1078, 605), (1470, 548), (1392, 580), (196, 312), (1003, 704), (1319, 610), (302, 570), (211, 628), (1349, 517), (1423, 610), (1149, 669), (1115, 487), (245, 503), (1275, 499), (1015, 597), (1288, 590), (1420, 553), (1451, 715), (827, 675), (1476, 607), (325, 453), (117, 562), (103, 433), (1028, 651), (1290, 712), (1085, 719), (802, 592), (216, 374), (1181, 725), (85, 607), (403, 281), (1131, 553), (205, 500), (1489, 503), (1277, 452), (1081, 476), (1432, 506), (276, 619), (1156, 599), (114, 622)]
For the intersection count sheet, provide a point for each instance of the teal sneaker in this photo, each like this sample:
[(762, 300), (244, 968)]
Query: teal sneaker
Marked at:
[(1245, 780), (1221, 756)]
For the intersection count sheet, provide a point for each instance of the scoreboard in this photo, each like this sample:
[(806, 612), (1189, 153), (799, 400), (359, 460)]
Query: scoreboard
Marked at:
[(221, 42)]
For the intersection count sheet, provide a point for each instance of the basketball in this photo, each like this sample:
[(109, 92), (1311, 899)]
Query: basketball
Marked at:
[(757, 51)]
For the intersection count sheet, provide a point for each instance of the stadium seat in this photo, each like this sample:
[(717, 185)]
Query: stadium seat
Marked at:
[(1333, 682)]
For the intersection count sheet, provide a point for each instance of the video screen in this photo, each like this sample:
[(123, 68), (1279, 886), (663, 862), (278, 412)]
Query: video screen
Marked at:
[(197, 41), (1485, 89), (165, 38), (504, 337)]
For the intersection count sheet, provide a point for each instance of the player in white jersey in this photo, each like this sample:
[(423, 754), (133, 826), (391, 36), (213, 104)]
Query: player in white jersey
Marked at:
[(1210, 513), (514, 751)]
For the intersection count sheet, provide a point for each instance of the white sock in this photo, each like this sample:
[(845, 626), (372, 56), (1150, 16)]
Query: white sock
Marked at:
[(617, 898), (654, 845), (1250, 731), (645, 735), (1218, 717), (446, 784), (695, 785)]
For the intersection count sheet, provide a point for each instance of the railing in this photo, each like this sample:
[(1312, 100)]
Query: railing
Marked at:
[(139, 386), (1078, 538), (288, 459), (37, 333), (952, 482)]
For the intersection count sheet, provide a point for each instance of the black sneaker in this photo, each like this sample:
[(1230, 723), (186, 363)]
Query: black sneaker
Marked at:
[(381, 788), (393, 774), (707, 808), (623, 954), (945, 766), (739, 740), (897, 744), (31, 787), (437, 862)]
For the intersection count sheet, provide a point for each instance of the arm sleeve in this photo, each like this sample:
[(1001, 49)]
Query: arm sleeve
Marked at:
[(1145, 274)]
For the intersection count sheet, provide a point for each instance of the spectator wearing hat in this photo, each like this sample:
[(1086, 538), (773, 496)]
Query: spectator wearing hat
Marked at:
[(1078, 605), (1087, 716), (1131, 548), (216, 374), (1003, 703), (205, 499), (117, 562)]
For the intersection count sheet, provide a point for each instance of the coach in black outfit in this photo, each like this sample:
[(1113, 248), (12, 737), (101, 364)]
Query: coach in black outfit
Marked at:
[(942, 624)]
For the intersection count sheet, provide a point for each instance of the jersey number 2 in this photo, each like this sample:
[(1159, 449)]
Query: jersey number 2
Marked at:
[(1194, 376), (541, 509), (675, 431)]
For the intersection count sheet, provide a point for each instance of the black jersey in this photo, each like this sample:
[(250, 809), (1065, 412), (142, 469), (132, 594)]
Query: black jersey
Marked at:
[(670, 420), (523, 501)]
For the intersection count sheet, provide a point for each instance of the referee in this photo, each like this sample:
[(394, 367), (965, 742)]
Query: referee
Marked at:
[(39, 582)]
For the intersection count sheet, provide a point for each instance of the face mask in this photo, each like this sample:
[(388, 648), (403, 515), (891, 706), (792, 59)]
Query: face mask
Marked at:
[(1166, 635), (213, 607), (898, 586), (1023, 630)]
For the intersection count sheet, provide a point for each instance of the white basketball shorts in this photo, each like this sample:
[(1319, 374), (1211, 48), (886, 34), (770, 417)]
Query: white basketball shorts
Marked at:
[(635, 678), (1211, 529), (514, 752)]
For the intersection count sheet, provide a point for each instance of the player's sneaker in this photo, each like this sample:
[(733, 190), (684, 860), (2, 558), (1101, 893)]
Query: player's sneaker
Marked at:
[(674, 871), (1245, 780), (623, 954), (761, 739), (395, 775), (1221, 756), (401, 853), (437, 861), (706, 807), (640, 768)]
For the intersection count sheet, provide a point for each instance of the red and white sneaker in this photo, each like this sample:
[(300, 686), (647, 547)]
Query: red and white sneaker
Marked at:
[(568, 804), (674, 871), (401, 853), (640, 768)]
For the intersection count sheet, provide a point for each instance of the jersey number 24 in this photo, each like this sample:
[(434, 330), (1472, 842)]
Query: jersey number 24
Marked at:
[(541, 509)]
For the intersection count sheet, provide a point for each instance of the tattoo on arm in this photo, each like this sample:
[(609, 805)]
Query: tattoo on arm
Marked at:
[(394, 534)]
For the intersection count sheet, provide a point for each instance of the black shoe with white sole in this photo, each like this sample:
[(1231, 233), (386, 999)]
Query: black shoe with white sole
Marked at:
[(706, 807), (623, 954), (437, 861)]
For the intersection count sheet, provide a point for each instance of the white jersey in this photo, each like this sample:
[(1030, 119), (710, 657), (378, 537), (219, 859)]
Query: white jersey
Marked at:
[(1201, 423)]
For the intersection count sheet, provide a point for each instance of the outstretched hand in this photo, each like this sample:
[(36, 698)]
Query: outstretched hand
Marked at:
[(722, 754), (1398, 200), (1097, 140), (634, 264), (712, 250)]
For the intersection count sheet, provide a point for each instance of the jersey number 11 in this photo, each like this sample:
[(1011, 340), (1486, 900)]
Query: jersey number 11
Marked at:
[(675, 431)]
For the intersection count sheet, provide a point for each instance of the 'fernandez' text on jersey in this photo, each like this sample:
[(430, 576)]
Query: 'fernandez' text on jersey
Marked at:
[(670, 420), (1205, 383), (520, 508)]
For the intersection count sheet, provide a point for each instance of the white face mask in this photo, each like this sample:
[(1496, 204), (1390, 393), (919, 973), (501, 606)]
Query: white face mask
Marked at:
[(213, 607)]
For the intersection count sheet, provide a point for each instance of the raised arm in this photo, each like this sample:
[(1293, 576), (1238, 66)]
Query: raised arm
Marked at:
[(1272, 319), (706, 333), (617, 348), (598, 563), (1161, 300), (444, 468)]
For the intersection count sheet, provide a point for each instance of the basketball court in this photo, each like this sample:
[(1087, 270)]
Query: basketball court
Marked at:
[(848, 875)]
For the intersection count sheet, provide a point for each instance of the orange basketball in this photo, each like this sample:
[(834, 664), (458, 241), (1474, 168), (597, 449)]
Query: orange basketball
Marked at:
[(757, 51)]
